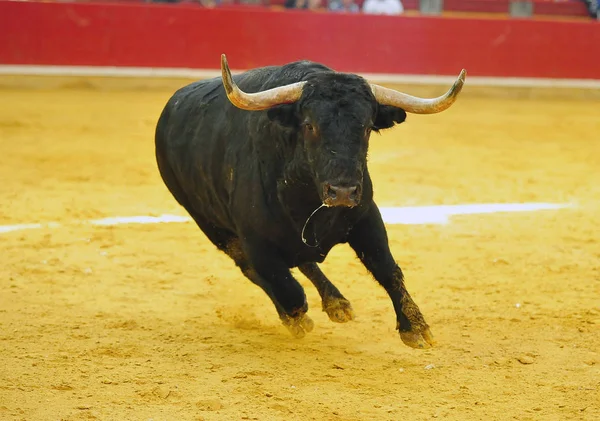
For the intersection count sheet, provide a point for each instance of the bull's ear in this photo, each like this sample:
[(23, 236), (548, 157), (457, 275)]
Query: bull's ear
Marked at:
[(284, 115), (387, 116)]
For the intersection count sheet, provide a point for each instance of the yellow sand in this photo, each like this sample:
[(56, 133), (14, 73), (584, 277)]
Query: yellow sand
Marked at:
[(150, 322)]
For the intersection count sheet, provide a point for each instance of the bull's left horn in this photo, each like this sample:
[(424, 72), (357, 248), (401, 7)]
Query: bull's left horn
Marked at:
[(411, 104), (260, 100)]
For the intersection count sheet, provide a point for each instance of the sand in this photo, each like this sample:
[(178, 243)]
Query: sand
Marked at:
[(150, 322)]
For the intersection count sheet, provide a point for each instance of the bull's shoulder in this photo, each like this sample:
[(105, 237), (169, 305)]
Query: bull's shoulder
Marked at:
[(263, 78), (304, 67), (201, 90), (296, 71), (253, 80), (202, 93)]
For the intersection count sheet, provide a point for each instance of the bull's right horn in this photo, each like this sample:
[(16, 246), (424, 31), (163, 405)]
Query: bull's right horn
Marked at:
[(260, 100), (412, 104)]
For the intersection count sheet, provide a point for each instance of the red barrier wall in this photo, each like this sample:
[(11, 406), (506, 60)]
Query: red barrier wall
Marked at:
[(184, 36)]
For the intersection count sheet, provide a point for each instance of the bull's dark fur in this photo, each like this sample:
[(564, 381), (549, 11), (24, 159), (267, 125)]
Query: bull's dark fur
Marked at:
[(250, 180)]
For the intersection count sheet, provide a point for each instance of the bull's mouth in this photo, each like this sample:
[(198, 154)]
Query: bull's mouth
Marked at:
[(341, 195), (335, 195)]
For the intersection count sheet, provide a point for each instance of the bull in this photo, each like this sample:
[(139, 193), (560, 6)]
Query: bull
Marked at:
[(271, 164)]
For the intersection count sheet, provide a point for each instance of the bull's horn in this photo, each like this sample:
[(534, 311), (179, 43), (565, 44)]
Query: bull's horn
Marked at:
[(411, 104), (259, 100)]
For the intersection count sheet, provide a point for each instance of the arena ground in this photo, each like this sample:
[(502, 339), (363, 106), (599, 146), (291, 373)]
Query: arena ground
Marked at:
[(149, 322)]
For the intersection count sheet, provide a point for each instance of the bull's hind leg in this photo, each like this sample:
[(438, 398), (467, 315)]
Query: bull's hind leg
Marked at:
[(296, 321), (286, 293), (337, 307)]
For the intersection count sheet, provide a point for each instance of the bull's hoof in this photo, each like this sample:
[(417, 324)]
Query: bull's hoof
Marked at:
[(299, 326), (339, 310), (418, 339)]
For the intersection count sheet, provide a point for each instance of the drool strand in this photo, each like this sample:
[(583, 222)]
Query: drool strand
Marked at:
[(306, 223)]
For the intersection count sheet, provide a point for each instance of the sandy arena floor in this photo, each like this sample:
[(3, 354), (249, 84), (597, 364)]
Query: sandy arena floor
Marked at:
[(149, 322)]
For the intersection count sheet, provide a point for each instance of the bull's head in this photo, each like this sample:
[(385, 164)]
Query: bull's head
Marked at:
[(334, 114)]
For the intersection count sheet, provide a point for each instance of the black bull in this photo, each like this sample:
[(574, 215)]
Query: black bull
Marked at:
[(272, 166)]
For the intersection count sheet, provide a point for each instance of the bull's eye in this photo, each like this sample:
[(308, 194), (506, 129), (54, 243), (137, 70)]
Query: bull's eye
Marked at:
[(309, 128)]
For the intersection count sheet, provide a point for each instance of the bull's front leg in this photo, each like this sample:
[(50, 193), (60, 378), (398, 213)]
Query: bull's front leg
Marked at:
[(369, 240)]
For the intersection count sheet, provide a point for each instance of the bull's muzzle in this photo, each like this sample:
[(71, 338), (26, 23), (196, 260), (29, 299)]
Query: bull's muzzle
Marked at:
[(348, 196)]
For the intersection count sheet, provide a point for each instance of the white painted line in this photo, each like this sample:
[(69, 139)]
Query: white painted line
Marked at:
[(139, 220), (9, 228), (441, 213), (20, 227), (144, 72), (413, 215)]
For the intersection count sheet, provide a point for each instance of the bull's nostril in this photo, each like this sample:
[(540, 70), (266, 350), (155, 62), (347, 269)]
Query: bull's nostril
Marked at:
[(332, 192), (342, 195)]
